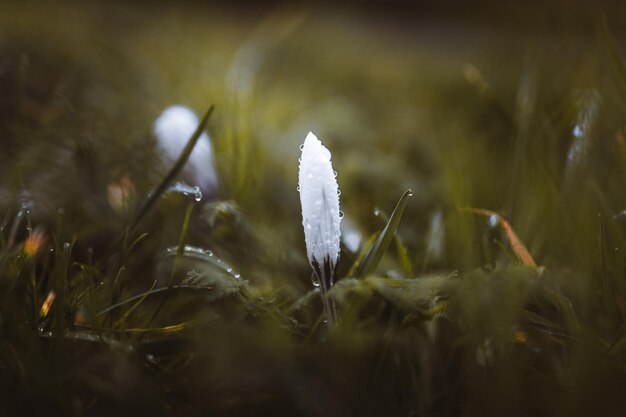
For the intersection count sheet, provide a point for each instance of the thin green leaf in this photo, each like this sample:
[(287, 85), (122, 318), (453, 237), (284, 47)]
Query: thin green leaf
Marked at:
[(156, 291), (134, 307), (403, 257), (566, 308), (205, 256), (365, 250), (381, 244), (401, 249), (136, 241), (154, 196)]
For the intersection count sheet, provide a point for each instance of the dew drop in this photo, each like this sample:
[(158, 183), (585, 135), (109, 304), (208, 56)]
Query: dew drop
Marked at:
[(298, 188), (338, 192), (315, 280), (197, 193), (335, 174), (493, 220), (341, 214), (410, 193), (302, 147)]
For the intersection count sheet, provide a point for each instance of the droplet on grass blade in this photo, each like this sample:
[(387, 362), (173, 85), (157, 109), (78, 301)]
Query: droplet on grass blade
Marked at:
[(186, 190), (588, 110)]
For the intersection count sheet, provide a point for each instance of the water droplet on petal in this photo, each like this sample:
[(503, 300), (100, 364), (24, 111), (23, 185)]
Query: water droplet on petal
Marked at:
[(315, 280), (197, 195), (302, 147)]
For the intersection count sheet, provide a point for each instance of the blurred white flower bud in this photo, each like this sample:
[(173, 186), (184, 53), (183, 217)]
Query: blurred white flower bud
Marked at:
[(173, 128)]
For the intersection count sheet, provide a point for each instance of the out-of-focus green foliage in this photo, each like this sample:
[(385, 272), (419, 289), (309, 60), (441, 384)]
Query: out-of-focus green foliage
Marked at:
[(206, 307)]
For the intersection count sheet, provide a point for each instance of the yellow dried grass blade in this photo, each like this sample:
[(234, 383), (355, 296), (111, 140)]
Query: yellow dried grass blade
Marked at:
[(516, 244)]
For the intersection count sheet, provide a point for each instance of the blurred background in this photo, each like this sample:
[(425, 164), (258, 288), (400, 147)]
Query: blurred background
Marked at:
[(515, 107), (388, 86)]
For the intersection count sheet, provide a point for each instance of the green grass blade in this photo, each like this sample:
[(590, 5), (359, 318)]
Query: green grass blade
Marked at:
[(153, 292), (403, 257), (154, 196), (383, 241), (401, 249), (184, 231), (205, 256), (363, 253)]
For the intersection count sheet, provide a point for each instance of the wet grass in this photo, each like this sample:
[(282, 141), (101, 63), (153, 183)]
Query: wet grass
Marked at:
[(496, 288)]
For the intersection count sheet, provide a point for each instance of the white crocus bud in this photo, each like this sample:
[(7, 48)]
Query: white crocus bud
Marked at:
[(173, 128), (319, 195)]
